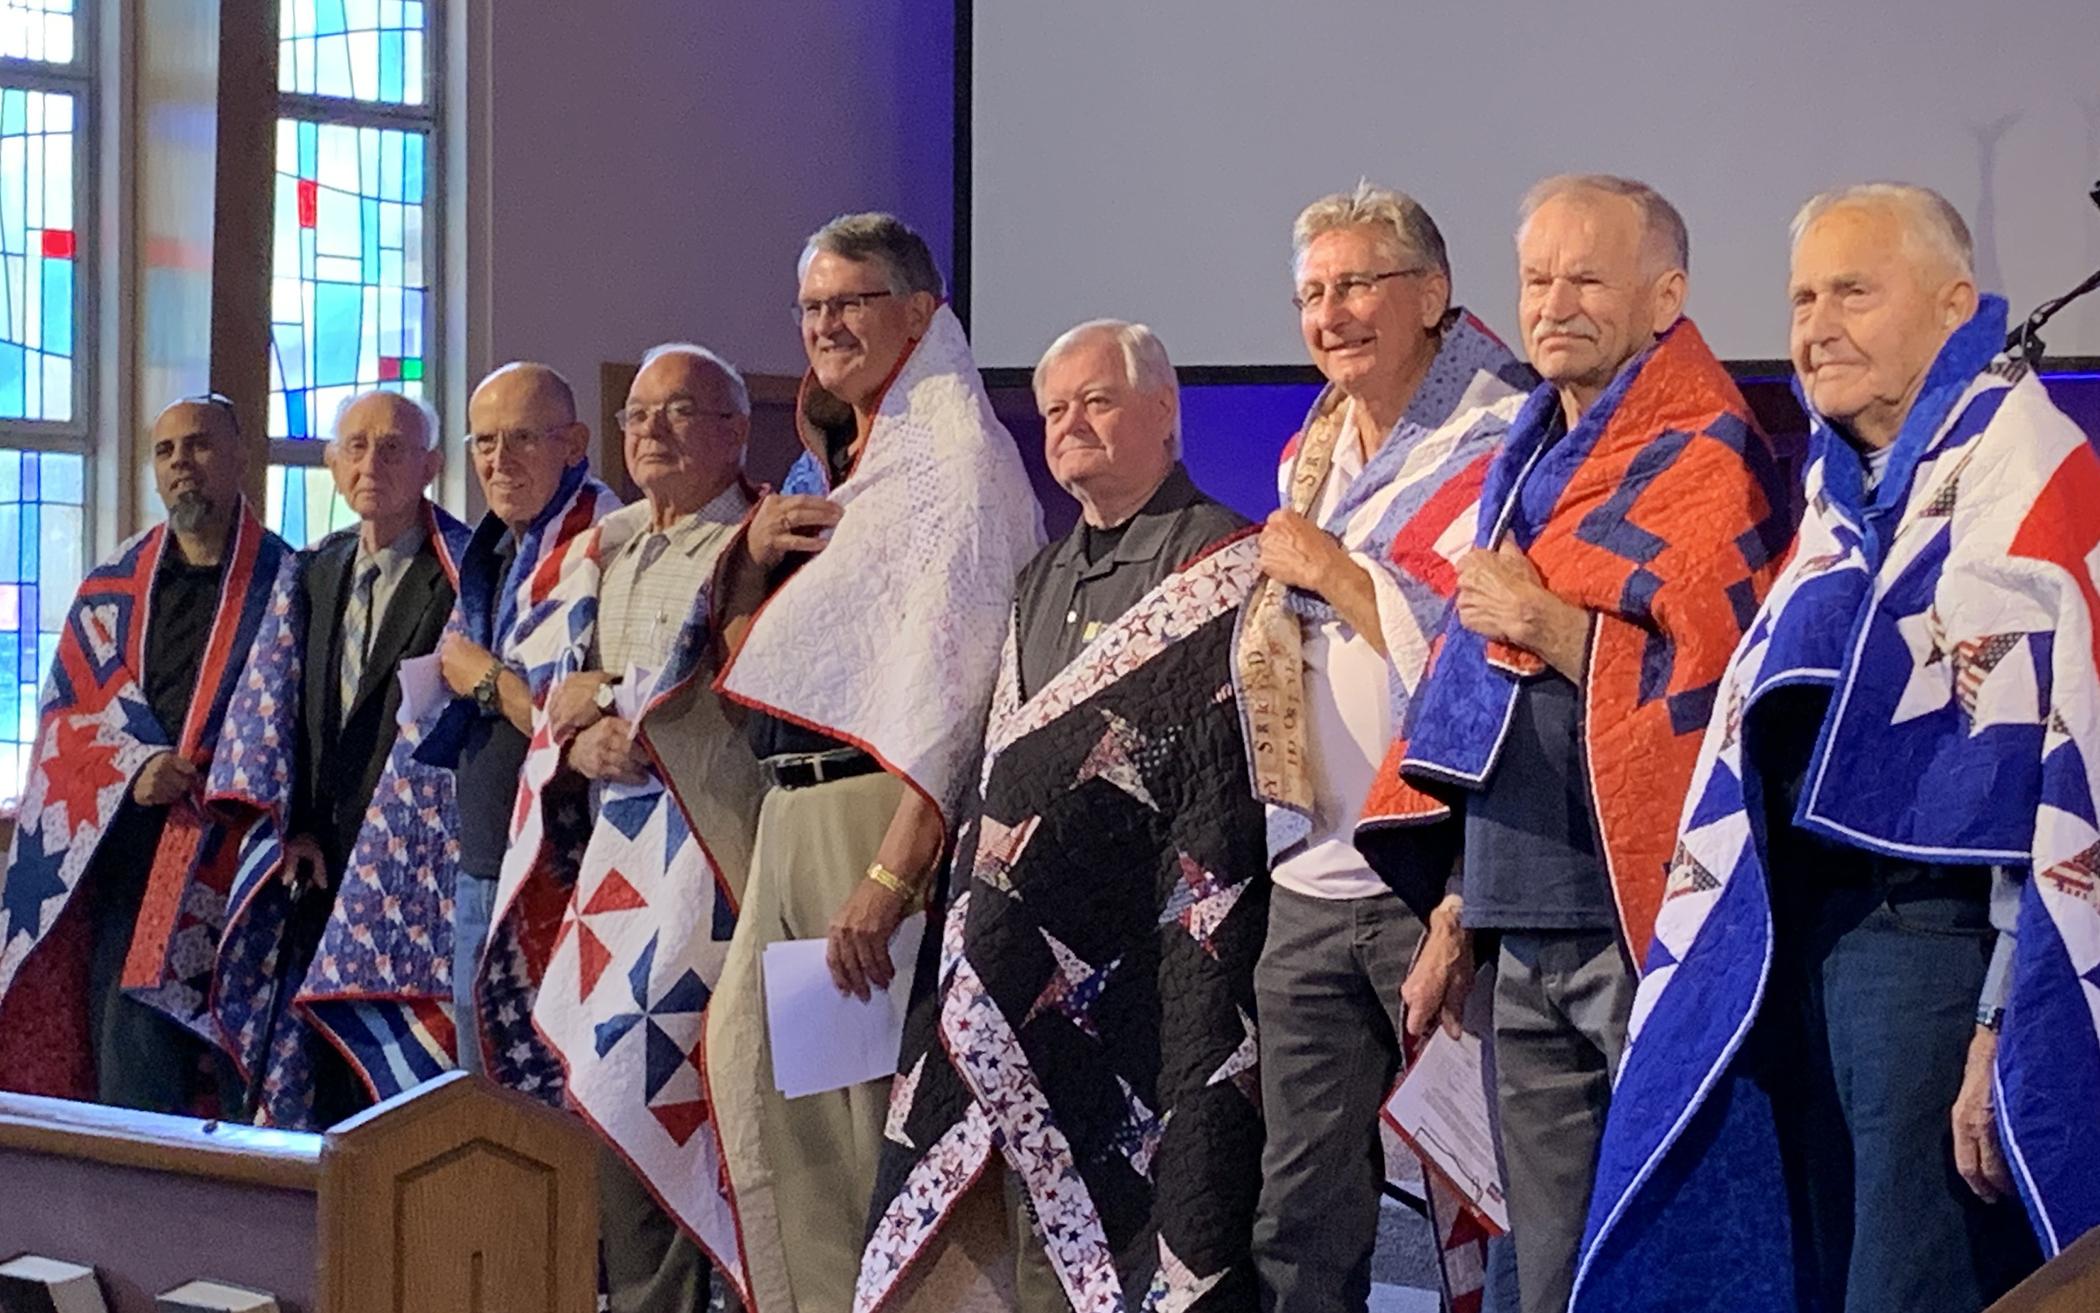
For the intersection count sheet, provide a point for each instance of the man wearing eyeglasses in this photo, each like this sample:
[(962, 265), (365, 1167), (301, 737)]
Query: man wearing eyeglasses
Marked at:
[(1380, 481), (649, 873), (886, 574), (113, 900)]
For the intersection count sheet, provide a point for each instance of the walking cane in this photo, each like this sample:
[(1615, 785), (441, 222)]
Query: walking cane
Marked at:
[(259, 1074)]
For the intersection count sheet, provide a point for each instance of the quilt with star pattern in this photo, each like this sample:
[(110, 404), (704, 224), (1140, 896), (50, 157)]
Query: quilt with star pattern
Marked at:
[(1092, 1020)]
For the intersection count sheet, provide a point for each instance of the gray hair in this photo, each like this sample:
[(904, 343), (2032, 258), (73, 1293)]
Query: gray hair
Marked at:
[(1145, 364), (1664, 240), (881, 239), (423, 409), (1398, 217), (1928, 218), (739, 394)]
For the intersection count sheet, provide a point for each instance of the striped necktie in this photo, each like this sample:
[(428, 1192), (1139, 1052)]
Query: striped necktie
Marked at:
[(357, 638)]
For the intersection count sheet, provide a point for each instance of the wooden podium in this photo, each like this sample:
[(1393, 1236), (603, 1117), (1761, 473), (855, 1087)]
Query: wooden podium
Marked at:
[(457, 1197)]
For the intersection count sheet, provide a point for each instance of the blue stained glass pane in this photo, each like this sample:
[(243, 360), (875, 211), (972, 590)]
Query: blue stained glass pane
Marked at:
[(349, 304), (10, 548), (64, 476), (58, 307), (291, 525), (10, 476), (412, 169), (361, 50), (32, 480), (32, 535), (38, 250)]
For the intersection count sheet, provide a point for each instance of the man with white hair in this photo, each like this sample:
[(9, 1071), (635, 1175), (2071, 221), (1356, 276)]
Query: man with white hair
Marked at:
[(1378, 492), (1627, 528), (367, 599), (1902, 771), (1113, 827), (643, 877)]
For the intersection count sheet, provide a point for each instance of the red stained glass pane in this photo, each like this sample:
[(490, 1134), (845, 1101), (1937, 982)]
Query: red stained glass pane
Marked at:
[(389, 368), (309, 202), (58, 244)]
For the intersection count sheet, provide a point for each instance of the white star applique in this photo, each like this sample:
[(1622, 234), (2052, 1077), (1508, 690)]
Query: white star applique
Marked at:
[(1175, 1289)]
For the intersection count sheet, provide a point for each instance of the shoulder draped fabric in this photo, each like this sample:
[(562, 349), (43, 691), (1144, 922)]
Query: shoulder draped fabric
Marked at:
[(95, 731), (1951, 613), (608, 939), (1663, 512), (889, 637), (1093, 1016), (1406, 518), (380, 987), (252, 778)]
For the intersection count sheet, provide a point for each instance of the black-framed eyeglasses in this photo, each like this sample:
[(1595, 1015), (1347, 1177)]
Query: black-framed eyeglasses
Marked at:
[(678, 412), (849, 306), (1348, 287)]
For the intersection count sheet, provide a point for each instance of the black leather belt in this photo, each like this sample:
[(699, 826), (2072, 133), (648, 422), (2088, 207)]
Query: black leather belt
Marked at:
[(800, 772)]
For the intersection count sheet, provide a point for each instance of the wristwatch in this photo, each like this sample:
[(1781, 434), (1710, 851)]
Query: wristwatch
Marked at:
[(486, 693), (602, 697)]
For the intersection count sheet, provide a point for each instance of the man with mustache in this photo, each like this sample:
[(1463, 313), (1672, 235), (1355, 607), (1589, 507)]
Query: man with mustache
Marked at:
[(1627, 528), (118, 875)]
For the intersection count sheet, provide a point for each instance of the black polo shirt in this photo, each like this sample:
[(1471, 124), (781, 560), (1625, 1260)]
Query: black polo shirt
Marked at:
[(1080, 584)]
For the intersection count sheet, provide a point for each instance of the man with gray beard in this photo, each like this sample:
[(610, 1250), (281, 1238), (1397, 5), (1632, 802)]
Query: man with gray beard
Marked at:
[(110, 1005)]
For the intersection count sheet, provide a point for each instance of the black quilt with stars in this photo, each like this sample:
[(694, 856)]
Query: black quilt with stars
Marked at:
[(1092, 1015)]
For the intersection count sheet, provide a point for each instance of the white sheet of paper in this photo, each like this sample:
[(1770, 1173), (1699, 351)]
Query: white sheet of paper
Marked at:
[(825, 1040), (422, 688), (1441, 1106)]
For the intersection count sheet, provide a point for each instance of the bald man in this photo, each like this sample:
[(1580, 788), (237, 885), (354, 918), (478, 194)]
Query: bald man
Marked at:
[(118, 875), (529, 452)]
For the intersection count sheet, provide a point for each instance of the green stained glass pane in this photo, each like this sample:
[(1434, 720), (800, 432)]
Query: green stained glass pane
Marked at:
[(370, 50), (349, 299), (38, 253)]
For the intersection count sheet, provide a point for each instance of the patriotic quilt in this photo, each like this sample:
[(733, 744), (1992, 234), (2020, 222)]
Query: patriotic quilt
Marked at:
[(609, 938), (1664, 512), (1406, 518), (1093, 1019), (889, 637), (1951, 613), (95, 731), (380, 987), (252, 777)]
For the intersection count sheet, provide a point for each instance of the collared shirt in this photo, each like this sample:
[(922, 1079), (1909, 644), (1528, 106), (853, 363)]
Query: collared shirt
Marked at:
[(1348, 706), (648, 587), (393, 560), (185, 602), (1079, 585)]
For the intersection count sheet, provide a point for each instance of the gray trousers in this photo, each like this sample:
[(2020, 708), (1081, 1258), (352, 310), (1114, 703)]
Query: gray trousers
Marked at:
[(1328, 990), (650, 1265), (1562, 998)]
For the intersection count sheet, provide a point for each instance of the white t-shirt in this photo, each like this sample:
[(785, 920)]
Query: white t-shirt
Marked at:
[(1348, 705)]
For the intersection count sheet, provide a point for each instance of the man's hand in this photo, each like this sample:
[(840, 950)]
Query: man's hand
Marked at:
[(163, 779), (1502, 598), (607, 751), (784, 524), (1437, 984), (303, 867), (1977, 1155), (463, 662), (858, 951), (1297, 552), (573, 706)]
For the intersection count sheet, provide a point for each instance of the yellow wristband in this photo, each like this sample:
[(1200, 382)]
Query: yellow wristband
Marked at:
[(890, 880)]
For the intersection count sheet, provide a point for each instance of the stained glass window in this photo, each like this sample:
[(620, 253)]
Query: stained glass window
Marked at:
[(37, 29), (302, 505), (354, 49), (42, 534), (349, 296), (38, 252)]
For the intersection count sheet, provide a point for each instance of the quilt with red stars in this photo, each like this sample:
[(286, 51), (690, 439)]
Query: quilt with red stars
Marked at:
[(1093, 1015), (95, 731), (1950, 612)]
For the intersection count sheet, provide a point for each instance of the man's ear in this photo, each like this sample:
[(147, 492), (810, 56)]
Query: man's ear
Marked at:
[(576, 436), (1957, 303), (1437, 303), (433, 463), (1670, 291), (919, 310)]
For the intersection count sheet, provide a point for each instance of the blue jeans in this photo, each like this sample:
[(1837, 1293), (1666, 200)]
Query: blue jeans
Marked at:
[(473, 904), (1861, 1040)]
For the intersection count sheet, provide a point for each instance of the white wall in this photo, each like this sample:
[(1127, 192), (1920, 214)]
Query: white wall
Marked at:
[(650, 168)]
